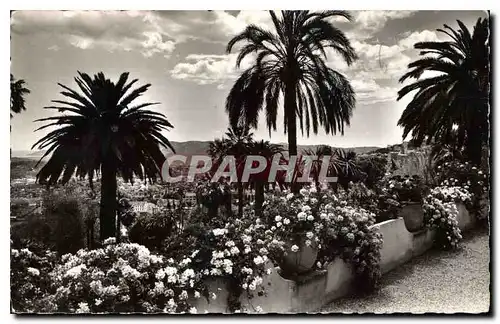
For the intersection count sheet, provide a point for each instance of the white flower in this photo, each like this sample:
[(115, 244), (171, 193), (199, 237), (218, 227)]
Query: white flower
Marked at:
[(83, 308), (258, 260), (309, 235), (230, 243), (289, 196), (252, 286), (160, 274), (263, 251), (313, 190), (197, 294), (308, 242), (259, 309), (286, 221), (269, 271), (278, 218), (247, 249), (109, 240), (214, 296), (301, 216), (260, 242), (193, 310), (340, 218), (310, 218), (234, 250), (273, 228), (98, 301), (318, 264), (244, 286), (294, 248), (278, 224), (219, 231), (306, 208), (323, 216), (33, 271)]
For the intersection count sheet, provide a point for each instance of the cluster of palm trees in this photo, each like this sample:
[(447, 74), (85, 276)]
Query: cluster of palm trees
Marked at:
[(239, 143), (105, 133)]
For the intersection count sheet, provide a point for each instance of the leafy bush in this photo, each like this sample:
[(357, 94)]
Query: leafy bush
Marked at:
[(151, 230), (373, 167), (60, 228)]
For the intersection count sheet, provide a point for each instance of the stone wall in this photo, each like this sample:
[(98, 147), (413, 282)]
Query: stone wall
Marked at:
[(310, 292), (413, 162)]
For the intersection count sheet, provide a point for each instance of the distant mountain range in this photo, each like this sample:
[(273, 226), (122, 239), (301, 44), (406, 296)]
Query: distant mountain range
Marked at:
[(190, 148)]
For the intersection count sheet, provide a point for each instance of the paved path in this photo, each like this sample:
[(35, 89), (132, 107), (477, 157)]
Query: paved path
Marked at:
[(436, 282)]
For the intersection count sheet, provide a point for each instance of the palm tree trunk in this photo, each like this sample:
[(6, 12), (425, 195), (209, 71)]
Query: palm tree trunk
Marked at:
[(240, 199), (107, 215), (290, 107), (259, 197)]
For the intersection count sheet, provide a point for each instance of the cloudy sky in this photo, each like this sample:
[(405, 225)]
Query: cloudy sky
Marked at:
[(182, 54)]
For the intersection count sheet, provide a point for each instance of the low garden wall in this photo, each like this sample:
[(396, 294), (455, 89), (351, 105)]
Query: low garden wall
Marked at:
[(310, 292)]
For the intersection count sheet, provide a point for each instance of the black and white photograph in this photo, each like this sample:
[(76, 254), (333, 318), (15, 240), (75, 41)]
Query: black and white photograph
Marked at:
[(256, 162)]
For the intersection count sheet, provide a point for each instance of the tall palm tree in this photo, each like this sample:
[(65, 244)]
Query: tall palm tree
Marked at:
[(17, 94), (268, 151), (291, 62), (104, 131), (236, 143), (457, 98)]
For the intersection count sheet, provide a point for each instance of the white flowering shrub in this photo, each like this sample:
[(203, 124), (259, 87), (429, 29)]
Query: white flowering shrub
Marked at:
[(440, 211), (321, 220), (30, 279), (475, 180), (121, 278)]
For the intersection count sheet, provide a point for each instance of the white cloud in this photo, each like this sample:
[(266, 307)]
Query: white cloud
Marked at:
[(209, 69), (418, 36), (111, 30), (375, 19)]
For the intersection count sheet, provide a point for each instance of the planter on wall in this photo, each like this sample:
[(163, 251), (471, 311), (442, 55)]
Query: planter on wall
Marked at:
[(413, 216), (300, 262)]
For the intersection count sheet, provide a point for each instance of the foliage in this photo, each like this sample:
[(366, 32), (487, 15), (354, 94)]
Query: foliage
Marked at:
[(151, 230), (59, 228), (17, 93), (373, 167), (405, 188), (452, 107), (467, 176), (29, 279)]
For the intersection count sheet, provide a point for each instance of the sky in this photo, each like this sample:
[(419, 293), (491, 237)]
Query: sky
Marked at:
[(182, 54)]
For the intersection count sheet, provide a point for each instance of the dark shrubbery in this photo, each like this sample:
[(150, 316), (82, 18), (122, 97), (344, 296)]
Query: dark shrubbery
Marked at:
[(60, 227)]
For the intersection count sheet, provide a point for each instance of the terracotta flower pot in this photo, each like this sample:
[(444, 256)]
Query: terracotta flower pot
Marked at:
[(413, 215), (299, 262)]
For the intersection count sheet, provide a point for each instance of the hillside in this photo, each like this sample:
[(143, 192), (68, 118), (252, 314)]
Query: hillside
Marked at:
[(195, 148)]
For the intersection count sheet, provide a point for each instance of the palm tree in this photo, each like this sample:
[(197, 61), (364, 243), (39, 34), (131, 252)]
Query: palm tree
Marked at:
[(236, 143), (104, 132), (319, 152), (344, 163), (292, 62), (457, 98), (268, 151), (17, 94)]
